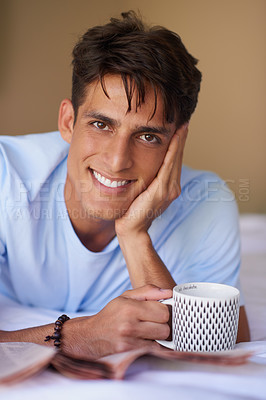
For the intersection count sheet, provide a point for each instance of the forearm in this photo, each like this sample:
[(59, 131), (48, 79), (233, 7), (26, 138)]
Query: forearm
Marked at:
[(243, 327), (143, 263), (38, 334), (133, 320), (34, 335)]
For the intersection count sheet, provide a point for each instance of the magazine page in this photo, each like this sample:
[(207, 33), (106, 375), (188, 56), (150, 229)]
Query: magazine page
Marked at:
[(115, 366), (228, 357), (109, 367), (20, 360)]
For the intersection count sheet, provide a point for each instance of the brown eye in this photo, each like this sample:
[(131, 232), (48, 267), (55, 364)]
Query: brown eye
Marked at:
[(100, 125), (149, 138)]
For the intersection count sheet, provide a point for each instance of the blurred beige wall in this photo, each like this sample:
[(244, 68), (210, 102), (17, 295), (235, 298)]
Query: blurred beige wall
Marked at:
[(228, 130)]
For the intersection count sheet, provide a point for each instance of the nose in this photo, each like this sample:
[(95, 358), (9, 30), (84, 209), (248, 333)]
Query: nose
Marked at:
[(118, 154)]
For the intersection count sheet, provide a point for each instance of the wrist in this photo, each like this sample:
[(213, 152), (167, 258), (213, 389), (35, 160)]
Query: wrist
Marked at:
[(131, 239), (143, 263), (57, 335)]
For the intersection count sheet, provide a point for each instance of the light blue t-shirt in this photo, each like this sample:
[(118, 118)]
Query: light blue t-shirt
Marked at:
[(44, 264)]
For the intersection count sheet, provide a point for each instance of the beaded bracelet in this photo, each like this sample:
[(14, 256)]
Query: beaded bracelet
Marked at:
[(57, 330)]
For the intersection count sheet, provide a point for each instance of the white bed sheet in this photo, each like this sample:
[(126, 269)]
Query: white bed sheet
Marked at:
[(150, 378), (253, 272)]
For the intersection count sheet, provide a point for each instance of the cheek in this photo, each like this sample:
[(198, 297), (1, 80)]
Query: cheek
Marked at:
[(81, 150), (151, 165)]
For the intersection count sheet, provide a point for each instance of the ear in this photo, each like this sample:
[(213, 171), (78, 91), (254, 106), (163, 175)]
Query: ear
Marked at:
[(66, 120)]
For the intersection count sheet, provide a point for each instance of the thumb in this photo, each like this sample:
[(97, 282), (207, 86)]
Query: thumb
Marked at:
[(148, 292)]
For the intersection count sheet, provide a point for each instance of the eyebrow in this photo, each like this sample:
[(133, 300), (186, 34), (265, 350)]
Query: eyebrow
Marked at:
[(153, 129), (101, 117), (138, 129)]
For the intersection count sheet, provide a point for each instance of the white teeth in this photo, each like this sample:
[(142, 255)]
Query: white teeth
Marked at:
[(107, 182)]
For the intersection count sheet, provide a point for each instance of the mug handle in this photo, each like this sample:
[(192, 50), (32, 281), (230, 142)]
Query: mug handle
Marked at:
[(167, 343)]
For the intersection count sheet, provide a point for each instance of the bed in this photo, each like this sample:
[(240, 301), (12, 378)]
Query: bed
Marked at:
[(157, 379)]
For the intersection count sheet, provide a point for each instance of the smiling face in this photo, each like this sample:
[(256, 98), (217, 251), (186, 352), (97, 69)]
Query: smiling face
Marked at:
[(114, 154)]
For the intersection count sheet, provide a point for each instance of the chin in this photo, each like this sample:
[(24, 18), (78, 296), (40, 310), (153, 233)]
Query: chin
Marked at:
[(110, 214)]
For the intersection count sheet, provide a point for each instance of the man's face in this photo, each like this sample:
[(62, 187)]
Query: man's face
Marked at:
[(114, 155)]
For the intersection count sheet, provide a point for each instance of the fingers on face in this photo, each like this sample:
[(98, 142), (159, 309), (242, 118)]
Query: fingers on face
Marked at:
[(178, 141), (165, 173), (183, 130), (182, 133), (175, 150), (174, 187)]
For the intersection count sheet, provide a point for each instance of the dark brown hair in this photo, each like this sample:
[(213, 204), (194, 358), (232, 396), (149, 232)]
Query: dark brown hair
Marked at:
[(140, 55)]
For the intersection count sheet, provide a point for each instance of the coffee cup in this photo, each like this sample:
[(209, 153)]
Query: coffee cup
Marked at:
[(204, 317)]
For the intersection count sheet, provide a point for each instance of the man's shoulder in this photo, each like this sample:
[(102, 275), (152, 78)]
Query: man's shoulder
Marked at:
[(204, 198), (203, 217), (48, 145), (28, 156), (198, 234), (193, 177), (199, 186)]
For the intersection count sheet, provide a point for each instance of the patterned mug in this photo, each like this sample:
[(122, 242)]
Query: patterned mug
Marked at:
[(204, 317)]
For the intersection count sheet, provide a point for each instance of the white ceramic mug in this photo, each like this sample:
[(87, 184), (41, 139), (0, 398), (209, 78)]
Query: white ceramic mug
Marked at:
[(204, 317)]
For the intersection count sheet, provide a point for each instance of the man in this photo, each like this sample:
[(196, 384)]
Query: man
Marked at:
[(85, 219)]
